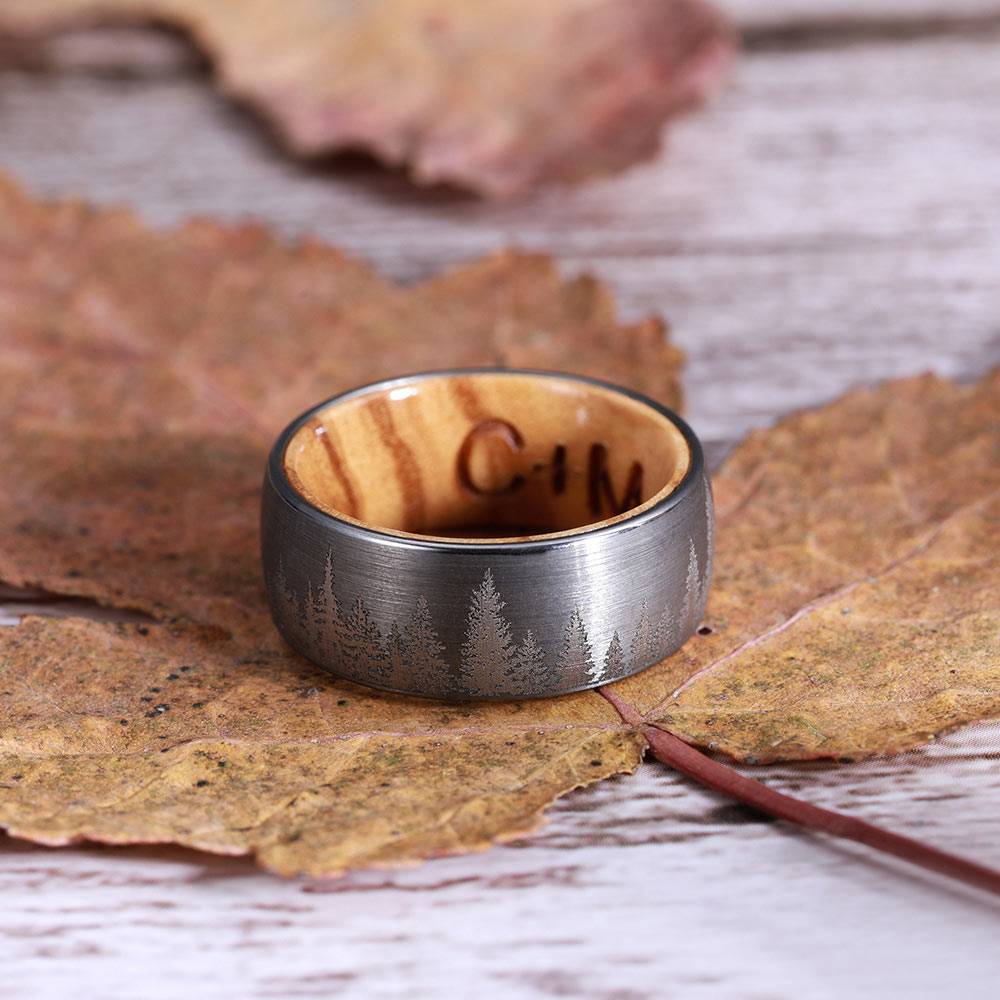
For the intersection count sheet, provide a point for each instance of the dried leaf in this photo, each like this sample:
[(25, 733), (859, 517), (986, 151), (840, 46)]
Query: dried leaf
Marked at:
[(494, 96), (855, 602), (143, 377)]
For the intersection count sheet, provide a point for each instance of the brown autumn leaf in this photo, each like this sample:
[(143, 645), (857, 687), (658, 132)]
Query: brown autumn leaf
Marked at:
[(498, 97), (855, 607), (142, 379), (143, 376)]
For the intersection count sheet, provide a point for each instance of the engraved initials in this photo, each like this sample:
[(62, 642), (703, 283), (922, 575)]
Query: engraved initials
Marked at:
[(600, 490)]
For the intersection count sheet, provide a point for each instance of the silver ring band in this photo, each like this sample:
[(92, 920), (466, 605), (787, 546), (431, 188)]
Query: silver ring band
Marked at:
[(487, 533)]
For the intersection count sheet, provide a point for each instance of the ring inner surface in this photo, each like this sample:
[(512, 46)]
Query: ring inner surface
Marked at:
[(486, 456)]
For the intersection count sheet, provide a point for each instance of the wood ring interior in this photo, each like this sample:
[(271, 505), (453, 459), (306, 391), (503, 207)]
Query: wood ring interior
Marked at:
[(486, 456)]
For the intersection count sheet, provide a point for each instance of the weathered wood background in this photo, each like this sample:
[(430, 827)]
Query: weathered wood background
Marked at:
[(833, 219)]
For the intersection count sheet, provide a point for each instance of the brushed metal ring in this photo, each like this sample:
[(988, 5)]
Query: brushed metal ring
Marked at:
[(487, 533)]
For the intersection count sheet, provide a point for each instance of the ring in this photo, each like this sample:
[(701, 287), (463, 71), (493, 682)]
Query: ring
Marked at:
[(487, 533)]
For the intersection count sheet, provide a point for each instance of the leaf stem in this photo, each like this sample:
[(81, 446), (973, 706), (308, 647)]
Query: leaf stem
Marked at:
[(688, 760)]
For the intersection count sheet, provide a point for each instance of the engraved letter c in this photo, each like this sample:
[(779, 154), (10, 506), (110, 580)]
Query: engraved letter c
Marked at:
[(486, 428)]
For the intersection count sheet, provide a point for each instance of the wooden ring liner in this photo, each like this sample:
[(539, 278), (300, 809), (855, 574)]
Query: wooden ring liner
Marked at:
[(487, 456)]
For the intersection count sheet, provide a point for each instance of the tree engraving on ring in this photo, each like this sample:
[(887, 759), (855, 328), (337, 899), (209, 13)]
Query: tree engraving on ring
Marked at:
[(682, 618), (646, 641), (576, 660), (528, 662), (361, 645), (488, 652), (492, 661), (614, 661), (424, 652)]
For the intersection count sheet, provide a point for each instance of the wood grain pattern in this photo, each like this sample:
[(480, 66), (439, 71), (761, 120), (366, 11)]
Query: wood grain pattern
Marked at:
[(439, 458), (831, 221)]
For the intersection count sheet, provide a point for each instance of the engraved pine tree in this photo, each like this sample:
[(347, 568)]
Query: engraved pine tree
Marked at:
[(692, 592), (315, 612), (397, 658), (669, 627), (424, 651), (361, 645), (327, 616), (614, 661), (302, 617), (283, 589), (706, 573), (646, 641), (294, 615), (709, 516), (488, 649), (526, 668), (576, 662)]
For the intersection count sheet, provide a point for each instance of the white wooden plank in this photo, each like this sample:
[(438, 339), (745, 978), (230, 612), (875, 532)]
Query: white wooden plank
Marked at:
[(832, 219), (786, 13)]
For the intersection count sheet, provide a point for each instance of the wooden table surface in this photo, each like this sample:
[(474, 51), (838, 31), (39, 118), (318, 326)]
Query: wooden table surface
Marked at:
[(832, 220)]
